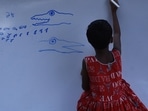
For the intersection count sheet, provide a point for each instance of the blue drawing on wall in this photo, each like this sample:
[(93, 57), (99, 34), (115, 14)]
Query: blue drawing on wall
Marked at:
[(43, 21), (61, 46), (9, 14), (9, 34), (49, 18)]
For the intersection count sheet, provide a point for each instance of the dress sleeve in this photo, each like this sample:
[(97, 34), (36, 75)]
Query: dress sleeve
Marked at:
[(117, 57), (116, 52)]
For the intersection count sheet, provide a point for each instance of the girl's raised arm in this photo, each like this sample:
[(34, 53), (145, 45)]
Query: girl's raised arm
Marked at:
[(116, 27)]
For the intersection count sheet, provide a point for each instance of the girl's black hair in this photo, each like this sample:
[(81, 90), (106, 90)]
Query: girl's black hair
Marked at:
[(99, 34)]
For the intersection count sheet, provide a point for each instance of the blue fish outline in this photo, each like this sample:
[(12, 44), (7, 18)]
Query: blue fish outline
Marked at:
[(46, 17), (68, 45)]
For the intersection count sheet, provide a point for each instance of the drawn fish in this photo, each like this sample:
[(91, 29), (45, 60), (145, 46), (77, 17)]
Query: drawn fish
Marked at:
[(61, 46), (51, 18)]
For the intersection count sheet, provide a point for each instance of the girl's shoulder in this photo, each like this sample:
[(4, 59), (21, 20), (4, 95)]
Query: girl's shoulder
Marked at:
[(89, 59)]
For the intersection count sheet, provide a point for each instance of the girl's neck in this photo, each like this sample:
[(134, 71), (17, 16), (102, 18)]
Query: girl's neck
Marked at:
[(102, 52), (104, 56)]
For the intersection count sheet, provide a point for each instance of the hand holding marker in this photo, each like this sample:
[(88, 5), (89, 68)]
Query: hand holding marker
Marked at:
[(115, 3)]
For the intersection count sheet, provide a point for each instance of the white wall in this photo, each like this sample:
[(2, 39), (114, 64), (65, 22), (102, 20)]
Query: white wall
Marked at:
[(31, 80)]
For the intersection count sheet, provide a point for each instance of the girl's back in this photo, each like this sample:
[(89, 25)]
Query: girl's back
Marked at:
[(108, 91)]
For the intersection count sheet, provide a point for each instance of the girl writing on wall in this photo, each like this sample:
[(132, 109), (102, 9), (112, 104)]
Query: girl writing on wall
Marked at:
[(102, 82)]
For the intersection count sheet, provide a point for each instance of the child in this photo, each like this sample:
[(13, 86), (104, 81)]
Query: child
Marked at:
[(104, 88)]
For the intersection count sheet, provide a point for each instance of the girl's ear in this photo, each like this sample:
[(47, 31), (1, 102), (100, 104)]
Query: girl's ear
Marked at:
[(111, 40)]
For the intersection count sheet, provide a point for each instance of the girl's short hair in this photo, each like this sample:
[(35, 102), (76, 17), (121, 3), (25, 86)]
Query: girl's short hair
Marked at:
[(99, 34)]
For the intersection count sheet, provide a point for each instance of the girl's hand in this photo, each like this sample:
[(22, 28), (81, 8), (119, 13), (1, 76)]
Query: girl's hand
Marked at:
[(113, 7)]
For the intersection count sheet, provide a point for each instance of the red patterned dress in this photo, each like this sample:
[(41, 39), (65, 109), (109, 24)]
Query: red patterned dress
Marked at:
[(108, 91)]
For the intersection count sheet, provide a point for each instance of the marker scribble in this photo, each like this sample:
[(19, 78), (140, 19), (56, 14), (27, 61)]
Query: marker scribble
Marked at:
[(61, 46), (43, 21), (8, 34), (51, 18), (9, 14)]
